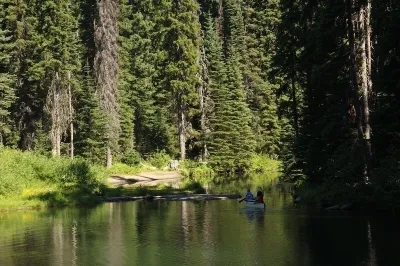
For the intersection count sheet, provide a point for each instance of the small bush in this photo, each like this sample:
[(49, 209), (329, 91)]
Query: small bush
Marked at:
[(159, 159), (194, 169), (131, 158)]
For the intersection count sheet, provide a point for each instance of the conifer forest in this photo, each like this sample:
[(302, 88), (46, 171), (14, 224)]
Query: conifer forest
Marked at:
[(314, 84)]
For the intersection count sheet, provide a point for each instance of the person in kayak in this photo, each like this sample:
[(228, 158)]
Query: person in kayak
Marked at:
[(260, 196), (249, 195)]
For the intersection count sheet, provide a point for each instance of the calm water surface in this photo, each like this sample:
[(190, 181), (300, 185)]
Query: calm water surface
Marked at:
[(196, 233)]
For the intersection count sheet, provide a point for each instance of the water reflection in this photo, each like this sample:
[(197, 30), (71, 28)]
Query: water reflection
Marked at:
[(255, 215), (196, 233)]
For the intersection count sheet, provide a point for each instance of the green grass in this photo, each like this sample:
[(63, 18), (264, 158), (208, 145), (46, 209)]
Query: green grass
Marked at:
[(30, 180), (120, 168)]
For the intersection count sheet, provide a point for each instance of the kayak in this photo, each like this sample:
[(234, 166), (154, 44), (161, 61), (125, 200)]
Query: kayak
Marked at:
[(253, 204)]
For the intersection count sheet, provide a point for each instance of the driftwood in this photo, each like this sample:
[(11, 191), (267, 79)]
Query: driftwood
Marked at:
[(333, 208), (176, 197)]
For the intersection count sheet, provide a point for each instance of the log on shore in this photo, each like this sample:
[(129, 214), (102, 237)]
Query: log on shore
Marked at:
[(176, 197)]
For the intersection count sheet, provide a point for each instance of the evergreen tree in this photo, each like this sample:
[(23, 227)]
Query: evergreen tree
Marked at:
[(126, 78), (58, 65), (181, 72), (91, 121), (7, 78), (261, 20), (30, 98), (150, 131), (231, 144), (242, 139), (220, 147)]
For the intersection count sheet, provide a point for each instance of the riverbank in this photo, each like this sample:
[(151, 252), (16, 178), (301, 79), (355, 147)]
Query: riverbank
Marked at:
[(365, 198), (33, 181)]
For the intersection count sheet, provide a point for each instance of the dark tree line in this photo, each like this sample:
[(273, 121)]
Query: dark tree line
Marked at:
[(339, 61)]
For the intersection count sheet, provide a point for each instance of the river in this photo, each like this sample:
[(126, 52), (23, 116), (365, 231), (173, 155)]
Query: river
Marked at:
[(197, 233)]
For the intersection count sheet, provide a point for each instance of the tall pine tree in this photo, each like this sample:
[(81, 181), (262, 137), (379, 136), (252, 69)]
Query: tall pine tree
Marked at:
[(7, 78), (182, 70)]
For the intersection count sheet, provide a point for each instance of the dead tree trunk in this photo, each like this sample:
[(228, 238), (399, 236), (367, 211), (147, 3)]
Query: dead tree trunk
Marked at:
[(71, 124), (54, 106), (107, 68), (220, 21), (294, 106), (359, 31), (181, 127), (204, 102), (109, 157)]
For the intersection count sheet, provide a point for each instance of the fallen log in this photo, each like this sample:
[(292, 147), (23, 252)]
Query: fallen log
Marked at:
[(175, 197)]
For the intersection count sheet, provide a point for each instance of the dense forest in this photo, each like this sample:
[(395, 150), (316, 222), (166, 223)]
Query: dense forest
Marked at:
[(314, 84)]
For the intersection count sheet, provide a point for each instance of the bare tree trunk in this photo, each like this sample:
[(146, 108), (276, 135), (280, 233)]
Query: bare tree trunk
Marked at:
[(109, 157), (202, 121), (220, 21), (353, 64), (365, 20), (55, 110), (359, 31), (71, 124), (107, 69), (54, 125), (58, 147), (203, 97), (294, 106), (181, 127), (368, 43)]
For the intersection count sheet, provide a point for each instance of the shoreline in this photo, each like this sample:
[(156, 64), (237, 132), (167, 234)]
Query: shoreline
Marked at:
[(100, 200)]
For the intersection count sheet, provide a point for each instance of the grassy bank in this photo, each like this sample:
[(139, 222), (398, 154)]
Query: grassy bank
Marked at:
[(30, 180)]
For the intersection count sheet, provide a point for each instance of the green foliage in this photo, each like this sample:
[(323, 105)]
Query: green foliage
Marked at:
[(7, 77), (126, 78), (265, 165), (131, 158), (120, 168), (31, 176), (193, 169), (91, 122), (159, 159)]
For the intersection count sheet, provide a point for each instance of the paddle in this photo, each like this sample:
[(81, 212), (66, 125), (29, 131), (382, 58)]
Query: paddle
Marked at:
[(248, 200)]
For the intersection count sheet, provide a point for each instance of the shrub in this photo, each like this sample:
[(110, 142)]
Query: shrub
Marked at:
[(194, 169), (263, 164), (159, 159), (131, 158)]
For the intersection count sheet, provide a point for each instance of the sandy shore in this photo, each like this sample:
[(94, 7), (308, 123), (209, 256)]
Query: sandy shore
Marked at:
[(145, 179)]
